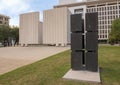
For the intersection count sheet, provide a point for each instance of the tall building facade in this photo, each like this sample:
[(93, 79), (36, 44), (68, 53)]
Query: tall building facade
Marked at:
[(4, 20), (56, 27), (108, 10), (30, 29)]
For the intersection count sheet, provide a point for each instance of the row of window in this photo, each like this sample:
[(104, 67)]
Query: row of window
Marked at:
[(104, 22), (104, 8), (104, 12), (103, 36), (3, 22), (3, 18), (105, 16), (107, 7)]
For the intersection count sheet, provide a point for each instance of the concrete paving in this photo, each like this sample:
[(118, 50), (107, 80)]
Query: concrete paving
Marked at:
[(83, 76), (14, 57)]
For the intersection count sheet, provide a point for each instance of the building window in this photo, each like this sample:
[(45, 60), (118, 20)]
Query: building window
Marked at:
[(0, 22), (6, 19), (78, 11), (1, 18)]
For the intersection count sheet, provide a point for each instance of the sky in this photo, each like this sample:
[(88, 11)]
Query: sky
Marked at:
[(13, 8)]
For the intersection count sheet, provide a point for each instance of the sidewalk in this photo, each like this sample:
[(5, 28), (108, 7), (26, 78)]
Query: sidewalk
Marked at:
[(14, 57)]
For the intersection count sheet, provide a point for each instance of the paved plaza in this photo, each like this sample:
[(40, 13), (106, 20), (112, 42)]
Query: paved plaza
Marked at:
[(14, 57)]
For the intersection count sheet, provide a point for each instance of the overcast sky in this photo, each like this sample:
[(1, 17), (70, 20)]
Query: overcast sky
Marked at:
[(14, 8)]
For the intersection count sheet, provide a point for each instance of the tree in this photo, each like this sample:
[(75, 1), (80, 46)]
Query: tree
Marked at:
[(4, 34), (7, 34), (114, 36), (1, 34), (15, 34)]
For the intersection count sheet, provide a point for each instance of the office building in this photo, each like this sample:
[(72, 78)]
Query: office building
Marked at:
[(4, 20), (108, 10), (30, 29)]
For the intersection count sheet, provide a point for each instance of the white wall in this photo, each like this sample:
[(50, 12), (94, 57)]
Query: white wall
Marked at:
[(56, 26), (30, 28), (69, 27)]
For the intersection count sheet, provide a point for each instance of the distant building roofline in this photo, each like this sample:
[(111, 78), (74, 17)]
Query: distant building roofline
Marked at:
[(29, 13), (85, 3), (4, 16)]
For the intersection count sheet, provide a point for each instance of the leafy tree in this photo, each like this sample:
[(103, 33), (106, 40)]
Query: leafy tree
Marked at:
[(1, 34), (114, 36), (4, 34), (8, 33), (15, 34)]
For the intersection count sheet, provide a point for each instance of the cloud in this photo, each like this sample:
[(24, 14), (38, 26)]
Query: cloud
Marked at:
[(13, 8)]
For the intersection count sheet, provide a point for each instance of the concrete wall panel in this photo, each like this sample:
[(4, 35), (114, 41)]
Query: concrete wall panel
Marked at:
[(30, 28), (56, 26)]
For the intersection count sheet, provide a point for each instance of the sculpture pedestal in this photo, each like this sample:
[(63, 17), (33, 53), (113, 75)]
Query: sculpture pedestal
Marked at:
[(83, 76)]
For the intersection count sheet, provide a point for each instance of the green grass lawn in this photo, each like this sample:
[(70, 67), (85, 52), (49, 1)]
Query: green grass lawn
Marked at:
[(51, 70)]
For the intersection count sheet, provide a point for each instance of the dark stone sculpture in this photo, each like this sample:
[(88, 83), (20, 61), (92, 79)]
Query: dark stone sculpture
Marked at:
[(84, 44)]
